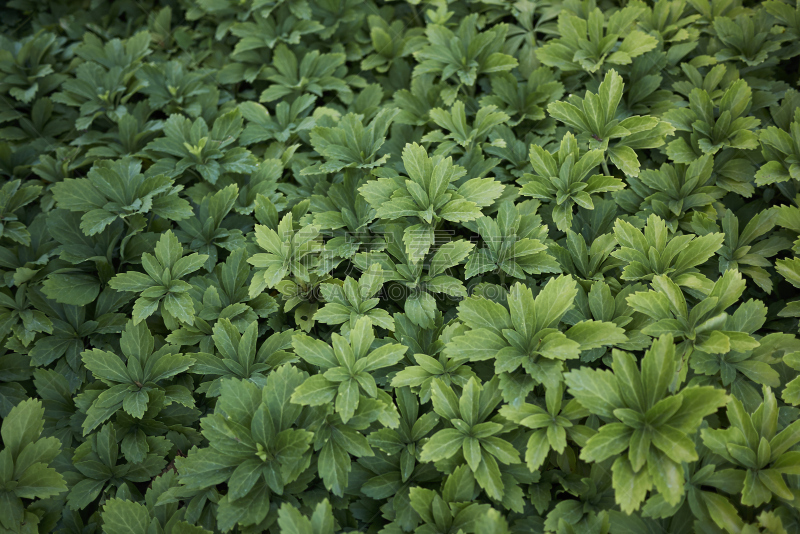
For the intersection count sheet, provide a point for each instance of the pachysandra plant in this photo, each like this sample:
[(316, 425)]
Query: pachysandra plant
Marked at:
[(222, 293), (754, 444), (28, 66), (472, 434), (655, 252), (162, 288), (421, 281), (601, 304), (588, 42), (286, 123), (350, 144), (464, 54), (705, 127), (746, 38), (524, 101), (346, 368), (314, 73), (310, 267), (429, 196), (13, 197), (391, 43), (702, 327), (748, 249), (781, 149), (174, 88), (524, 340), (431, 361), (456, 133), (583, 261), (98, 470), (238, 357), (287, 251), (344, 216), (133, 386), (676, 193), (565, 179), (26, 459), (650, 428), (189, 146), (744, 369), (257, 444), (106, 80), (118, 189), (513, 244), (120, 515), (595, 117), (348, 302), (401, 445), (205, 232), (551, 425)]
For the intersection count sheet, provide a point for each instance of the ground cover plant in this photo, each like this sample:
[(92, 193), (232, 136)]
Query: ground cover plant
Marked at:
[(444, 267)]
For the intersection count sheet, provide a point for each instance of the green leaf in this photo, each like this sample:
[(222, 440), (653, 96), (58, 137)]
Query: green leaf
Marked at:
[(630, 488), (595, 334), (314, 351), (612, 439), (554, 301), (136, 341), (667, 475), (106, 366), (442, 445), (489, 477), (789, 269), (22, 425), (244, 478), (315, 391), (40, 481), (346, 398), (334, 467), (674, 444), (384, 356), (135, 403), (74, 289), (624, 158), (596, 390), (125, 517)]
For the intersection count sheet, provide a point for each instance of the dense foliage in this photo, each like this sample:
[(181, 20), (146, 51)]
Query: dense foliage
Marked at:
[(432, 266)]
